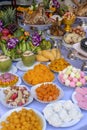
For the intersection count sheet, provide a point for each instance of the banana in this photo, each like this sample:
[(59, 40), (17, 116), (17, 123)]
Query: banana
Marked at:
[(48, 55), (41, 58)]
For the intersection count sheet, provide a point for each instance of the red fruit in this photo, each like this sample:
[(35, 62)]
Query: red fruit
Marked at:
[(4, 38), (14, 96), (5, 32)]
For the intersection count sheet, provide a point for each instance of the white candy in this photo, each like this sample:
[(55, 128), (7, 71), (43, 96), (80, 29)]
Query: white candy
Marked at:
[(73, 114), (72, 74), (57, 107), (67, 82), (64, 116), (68, 105), (48, 112), (55, 120), (65, 76)]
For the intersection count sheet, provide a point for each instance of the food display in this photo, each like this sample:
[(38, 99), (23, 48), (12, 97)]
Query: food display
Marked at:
[(8, 79), (80, 97), (23, 118), (37, 45), (5, 63), (75, 36), (38, 17), (72, 77), (56, 29), (69, 16), (48, 55), (58, 65), (81, 11), (62, 113), (47, 92), (83, 44), (39, 74), (15, 96)]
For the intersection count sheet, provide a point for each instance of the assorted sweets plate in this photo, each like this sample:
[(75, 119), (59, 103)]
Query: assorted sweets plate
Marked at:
[(22, 67), (47, 92), (62, 113), (25, 110), (15, 96), (9, 79), (12, 70), (73, 37), (72, 77), (80, 97)]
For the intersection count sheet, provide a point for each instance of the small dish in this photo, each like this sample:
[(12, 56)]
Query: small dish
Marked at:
[(10, 103), (62, 113), (4, 117), (22, 67), (80, 97), (17, 83), (34, 94), (79, 50)]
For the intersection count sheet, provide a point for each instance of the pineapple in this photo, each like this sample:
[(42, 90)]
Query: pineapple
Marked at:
[(8, 16)]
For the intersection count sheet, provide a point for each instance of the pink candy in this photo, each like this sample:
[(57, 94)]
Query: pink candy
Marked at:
[(72, 84)]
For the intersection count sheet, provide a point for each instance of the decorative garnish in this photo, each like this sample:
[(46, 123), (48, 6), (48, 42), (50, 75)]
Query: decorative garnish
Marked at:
[(56, 3), (36, 38), (12, 42)]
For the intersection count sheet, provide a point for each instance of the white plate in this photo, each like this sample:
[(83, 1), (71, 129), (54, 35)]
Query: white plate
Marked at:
[(66, 124), (13, 70), (18, 82), (22, 67), (75, 101), (78, 55), (3, 118), (66, 44), (17, 59), (3, 96), (33, 91), (79, 50)]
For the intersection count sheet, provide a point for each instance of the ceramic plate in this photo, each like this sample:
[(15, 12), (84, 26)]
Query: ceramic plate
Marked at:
[(3, 96), (22, 67), (51, 108), (33, 91), (3, 118), (17, 59), (18, 82), (75, 101), (78, 55), (79, 50), (13, 70)]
